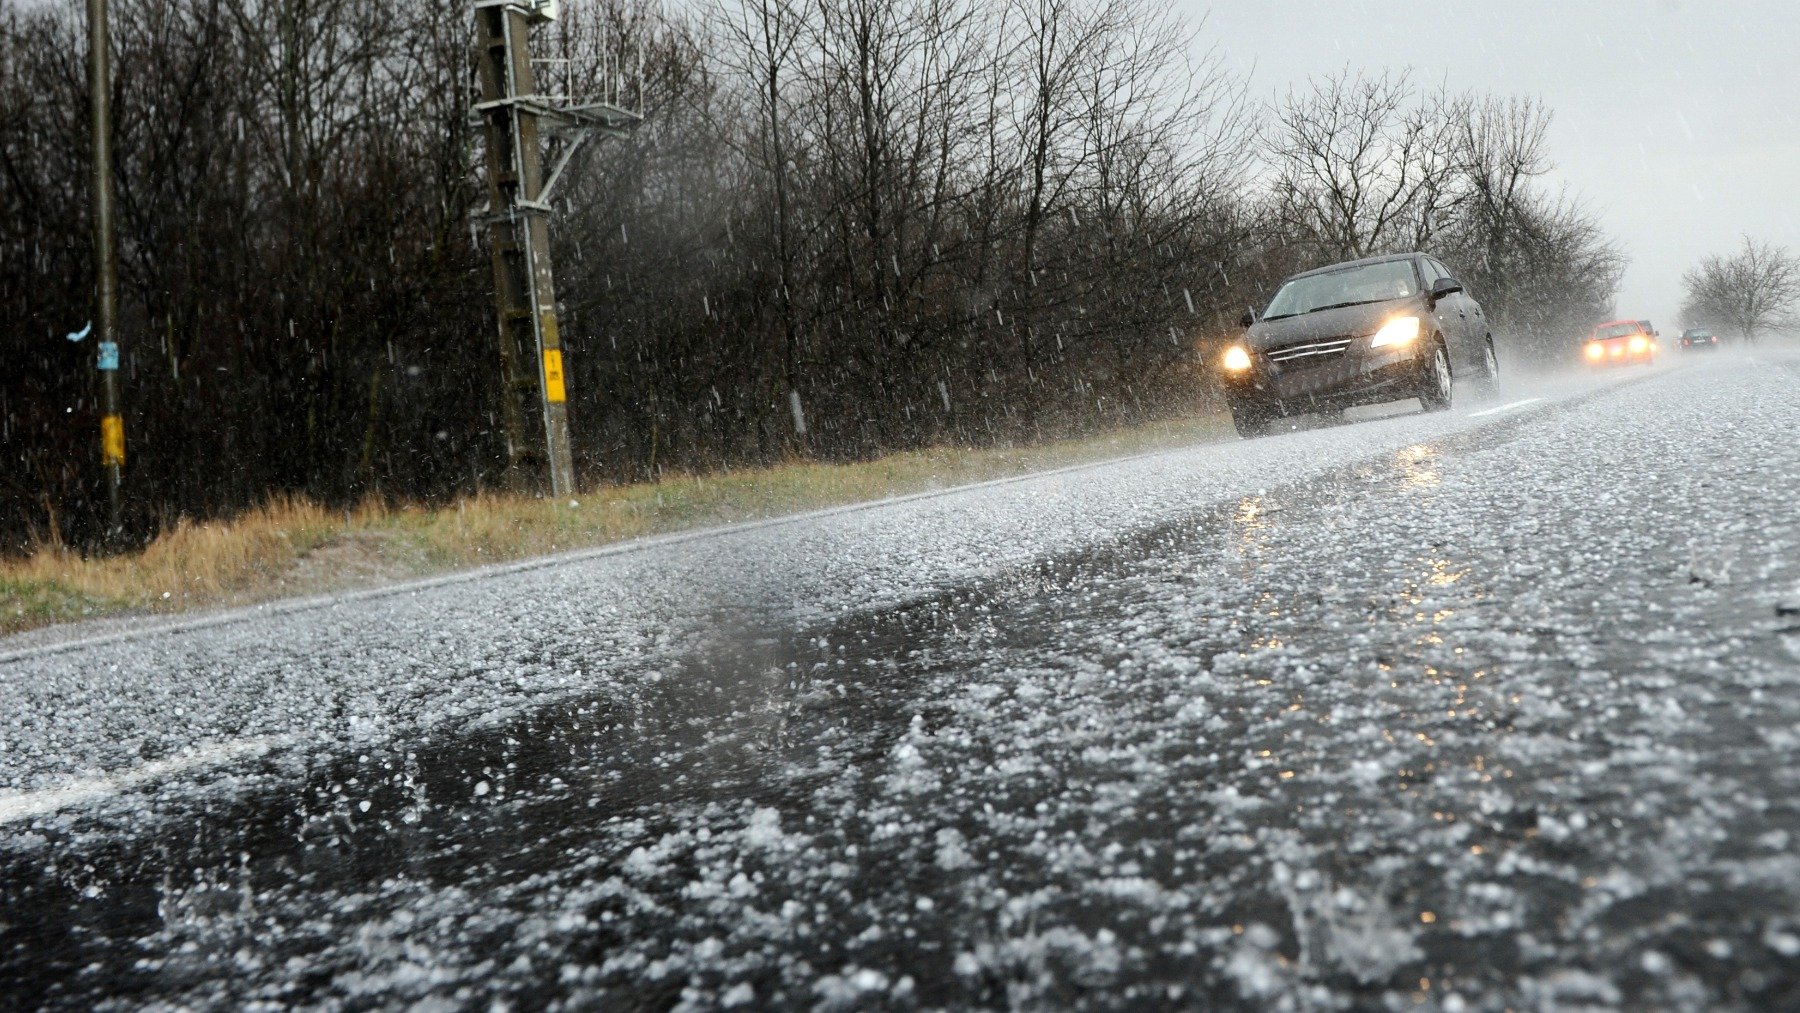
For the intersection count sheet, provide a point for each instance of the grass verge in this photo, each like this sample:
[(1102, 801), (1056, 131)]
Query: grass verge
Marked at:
[(292, 546)]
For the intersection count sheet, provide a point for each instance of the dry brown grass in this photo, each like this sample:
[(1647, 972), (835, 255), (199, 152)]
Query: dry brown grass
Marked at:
[(190, 562), (293, 546)]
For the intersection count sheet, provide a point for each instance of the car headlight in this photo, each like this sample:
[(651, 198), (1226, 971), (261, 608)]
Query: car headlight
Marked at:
[(1640, 343), (1236, 359), (1596, 350), (1397, 333)]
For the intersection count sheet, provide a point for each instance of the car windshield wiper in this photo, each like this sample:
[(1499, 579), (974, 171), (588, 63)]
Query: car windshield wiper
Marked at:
[(1341, 305), (1332, 306)]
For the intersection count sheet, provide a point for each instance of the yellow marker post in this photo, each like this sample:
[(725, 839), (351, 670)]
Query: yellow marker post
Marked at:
[(554, 391), (112, 440)]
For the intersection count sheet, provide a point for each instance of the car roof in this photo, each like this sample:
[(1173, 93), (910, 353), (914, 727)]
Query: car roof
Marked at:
[(1609, 323), (1383, 259)]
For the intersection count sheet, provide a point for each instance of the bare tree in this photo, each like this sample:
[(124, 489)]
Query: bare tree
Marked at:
[(1752, 291), (1543, 265), (1364, 164), (760, 41), (1056, 42)]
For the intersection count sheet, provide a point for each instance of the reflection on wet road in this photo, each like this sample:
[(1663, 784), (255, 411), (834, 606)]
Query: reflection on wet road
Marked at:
[(1499, 719)]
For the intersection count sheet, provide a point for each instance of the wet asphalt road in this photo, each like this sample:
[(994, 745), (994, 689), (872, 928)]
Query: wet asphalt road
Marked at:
[(1469, 711)]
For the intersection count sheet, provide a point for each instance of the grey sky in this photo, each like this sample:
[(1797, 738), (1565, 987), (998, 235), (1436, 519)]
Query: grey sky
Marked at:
[(1675, 119)]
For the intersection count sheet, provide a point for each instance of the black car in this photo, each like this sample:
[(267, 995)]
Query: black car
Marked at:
[(1699, 339), (1363, 332)]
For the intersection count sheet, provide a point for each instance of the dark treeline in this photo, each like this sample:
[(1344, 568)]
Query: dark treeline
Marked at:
[(901, 221)]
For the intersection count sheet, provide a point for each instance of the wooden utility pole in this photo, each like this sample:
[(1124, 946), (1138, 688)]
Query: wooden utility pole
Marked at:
[(106, 266), (517, 122)]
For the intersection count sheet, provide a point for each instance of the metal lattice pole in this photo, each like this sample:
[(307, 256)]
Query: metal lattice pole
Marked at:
[(531, 353), (517, 122)]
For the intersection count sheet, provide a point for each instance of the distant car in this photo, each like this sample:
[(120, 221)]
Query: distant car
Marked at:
[(1362, 332), (1699, 339), (1620, 343)]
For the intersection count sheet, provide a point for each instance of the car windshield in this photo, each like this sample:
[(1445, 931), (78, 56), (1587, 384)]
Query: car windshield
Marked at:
[(1697, 334), (1367, 283), (1618, 330)]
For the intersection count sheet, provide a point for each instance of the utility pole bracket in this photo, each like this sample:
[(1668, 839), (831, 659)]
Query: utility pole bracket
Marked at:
[(534, 10)]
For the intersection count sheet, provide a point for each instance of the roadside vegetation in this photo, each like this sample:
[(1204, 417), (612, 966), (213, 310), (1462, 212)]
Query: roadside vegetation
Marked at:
[(845, 230), (293, 546)]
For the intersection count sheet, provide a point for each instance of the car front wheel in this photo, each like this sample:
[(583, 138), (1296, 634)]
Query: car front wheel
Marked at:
[(1490, 369), (1434, 389)]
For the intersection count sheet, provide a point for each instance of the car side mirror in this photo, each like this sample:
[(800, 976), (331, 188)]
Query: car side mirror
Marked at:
[(1247, 319), (1443, 287)]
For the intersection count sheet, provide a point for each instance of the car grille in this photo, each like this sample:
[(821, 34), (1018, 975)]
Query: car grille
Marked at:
[(1311, 353)]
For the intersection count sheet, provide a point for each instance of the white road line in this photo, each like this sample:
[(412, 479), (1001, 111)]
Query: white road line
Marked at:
[(1505, 407), (23, 805)]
